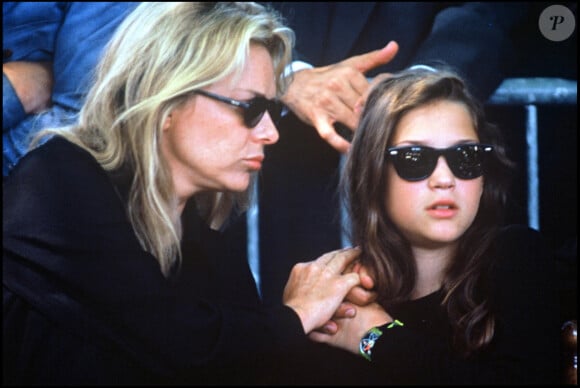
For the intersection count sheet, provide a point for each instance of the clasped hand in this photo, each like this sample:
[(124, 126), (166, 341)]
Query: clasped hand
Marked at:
[(355, 316), (333, 298)]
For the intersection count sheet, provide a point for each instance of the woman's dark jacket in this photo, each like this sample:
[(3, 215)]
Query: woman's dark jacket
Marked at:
[(83, 303)]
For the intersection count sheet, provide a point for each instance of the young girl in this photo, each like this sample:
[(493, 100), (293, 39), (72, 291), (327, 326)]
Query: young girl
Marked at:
[(462, 299)]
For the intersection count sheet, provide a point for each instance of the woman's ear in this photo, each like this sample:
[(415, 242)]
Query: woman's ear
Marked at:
[(167, 122)]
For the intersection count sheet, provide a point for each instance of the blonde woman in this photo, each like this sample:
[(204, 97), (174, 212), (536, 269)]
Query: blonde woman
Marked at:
[(111, 239)]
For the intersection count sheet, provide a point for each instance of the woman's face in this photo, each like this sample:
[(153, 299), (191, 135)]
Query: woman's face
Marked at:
[(205, 141), (436, 211)]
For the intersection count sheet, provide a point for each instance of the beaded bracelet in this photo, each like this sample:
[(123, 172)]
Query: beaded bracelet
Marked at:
[(371, 337)]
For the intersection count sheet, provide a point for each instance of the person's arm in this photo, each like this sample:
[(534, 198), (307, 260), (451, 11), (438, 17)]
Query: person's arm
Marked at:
[(85, 30), (32, 83), (473, 38), (29, 31), (351, 330), (12, 109)]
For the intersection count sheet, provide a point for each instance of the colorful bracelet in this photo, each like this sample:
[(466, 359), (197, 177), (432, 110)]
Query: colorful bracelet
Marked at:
[(371, 337)]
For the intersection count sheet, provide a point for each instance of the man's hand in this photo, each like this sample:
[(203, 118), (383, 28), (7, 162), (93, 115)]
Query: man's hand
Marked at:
[(325, 95), (32, 82)]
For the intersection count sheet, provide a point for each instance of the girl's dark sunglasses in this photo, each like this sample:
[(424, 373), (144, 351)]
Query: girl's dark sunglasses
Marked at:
[(415, 163), (253, 109)]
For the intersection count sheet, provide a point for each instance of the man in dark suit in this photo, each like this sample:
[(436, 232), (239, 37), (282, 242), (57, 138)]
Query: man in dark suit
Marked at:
[(299, 208)]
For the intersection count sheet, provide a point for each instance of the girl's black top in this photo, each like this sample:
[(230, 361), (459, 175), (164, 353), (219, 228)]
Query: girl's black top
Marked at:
[(525, 349)]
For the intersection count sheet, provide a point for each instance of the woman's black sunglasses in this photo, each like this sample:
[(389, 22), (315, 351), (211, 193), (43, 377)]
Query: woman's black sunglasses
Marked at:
[(415, 163), (253, 109)]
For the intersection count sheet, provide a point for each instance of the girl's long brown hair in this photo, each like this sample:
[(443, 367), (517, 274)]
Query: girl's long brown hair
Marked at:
[(385, 250)]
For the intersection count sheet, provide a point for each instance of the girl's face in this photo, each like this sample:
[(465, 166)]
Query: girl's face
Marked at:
[(205, 141), (436, 211)]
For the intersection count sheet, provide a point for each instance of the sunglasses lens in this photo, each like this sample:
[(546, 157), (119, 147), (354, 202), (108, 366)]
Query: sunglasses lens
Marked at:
[(414, 163), (254, 113), (275, 111), (258, 106), (466, 161)]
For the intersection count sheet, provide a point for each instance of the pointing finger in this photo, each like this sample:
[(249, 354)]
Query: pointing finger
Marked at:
[(372, 59)]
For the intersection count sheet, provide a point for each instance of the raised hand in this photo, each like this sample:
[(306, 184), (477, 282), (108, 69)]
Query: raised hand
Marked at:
[(325, 95)]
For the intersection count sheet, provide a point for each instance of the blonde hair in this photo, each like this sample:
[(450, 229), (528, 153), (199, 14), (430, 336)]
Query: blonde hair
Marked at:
[(157, 57)]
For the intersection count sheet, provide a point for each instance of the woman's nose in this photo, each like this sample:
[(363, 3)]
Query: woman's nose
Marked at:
[(266, 131)]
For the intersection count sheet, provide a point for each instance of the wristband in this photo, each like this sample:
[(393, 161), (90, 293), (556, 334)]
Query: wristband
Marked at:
[(371, 337)]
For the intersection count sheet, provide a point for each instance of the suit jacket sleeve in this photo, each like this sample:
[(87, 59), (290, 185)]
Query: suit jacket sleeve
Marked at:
[(475, 38)]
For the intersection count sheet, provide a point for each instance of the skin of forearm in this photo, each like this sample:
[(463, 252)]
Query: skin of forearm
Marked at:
[(32, 82)]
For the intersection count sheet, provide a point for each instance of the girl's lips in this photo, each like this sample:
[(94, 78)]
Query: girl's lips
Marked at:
[(442, 209), (442, 212)]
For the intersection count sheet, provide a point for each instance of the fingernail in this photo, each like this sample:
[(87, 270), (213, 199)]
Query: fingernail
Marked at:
[(349, 313)]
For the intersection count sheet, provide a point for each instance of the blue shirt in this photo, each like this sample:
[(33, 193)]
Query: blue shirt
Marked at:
[(72, 36)]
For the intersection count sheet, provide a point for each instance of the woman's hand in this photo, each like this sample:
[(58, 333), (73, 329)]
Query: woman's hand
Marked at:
[(360, 295), (316, 289)]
